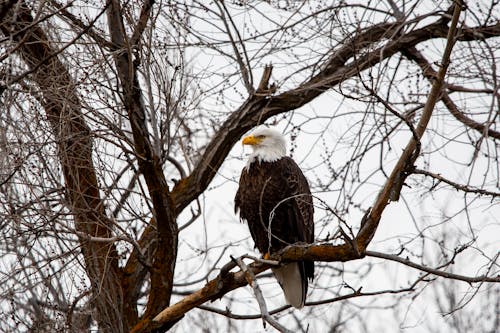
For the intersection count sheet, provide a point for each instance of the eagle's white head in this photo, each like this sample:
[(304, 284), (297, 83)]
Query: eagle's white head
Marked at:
[(268, 145)]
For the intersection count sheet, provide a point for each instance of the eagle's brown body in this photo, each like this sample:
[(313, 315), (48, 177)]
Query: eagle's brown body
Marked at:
[(275, 200)]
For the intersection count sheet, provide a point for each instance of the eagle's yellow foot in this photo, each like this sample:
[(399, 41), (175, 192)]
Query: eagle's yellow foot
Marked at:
[(266, 256)]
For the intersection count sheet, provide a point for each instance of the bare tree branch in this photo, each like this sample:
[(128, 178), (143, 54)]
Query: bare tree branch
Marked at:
[(459, 187), (469, 279)]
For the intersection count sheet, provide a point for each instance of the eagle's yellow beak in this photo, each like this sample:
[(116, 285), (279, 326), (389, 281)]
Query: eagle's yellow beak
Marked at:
[(251, 140)]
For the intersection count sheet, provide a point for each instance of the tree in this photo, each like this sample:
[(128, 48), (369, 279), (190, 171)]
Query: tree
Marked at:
[(117, 119)]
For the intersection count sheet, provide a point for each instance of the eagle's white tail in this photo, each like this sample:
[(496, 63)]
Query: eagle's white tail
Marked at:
[(292, 283)]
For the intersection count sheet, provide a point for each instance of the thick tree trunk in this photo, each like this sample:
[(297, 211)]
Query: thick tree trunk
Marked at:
[(72, 135), (163, 263)]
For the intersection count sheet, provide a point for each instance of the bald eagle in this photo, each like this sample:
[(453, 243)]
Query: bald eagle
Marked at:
[(275, 200)]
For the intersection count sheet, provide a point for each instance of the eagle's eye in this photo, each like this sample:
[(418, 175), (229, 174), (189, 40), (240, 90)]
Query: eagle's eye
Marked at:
[(260, 136)]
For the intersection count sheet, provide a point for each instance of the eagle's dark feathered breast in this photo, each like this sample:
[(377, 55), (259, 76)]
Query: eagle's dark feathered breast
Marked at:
[(275, 200)]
